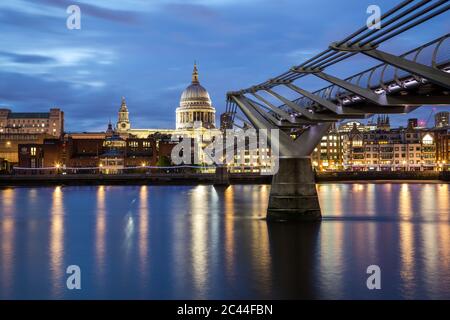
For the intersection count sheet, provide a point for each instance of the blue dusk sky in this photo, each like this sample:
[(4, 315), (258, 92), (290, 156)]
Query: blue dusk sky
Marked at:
[(145, 49)]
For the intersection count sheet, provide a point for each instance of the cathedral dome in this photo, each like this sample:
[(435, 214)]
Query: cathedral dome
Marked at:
[(195, 106), (195, 95)]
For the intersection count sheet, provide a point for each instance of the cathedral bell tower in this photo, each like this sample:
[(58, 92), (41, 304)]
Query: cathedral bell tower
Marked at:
[(123, 124)]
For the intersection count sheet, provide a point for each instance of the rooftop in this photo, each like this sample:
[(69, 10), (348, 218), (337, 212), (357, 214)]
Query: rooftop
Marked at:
[(27, 115)]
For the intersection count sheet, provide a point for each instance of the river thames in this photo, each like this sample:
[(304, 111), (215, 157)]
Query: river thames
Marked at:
[(202, 242)]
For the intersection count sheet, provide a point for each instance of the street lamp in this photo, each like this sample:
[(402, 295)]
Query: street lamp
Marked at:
[(57, 166)]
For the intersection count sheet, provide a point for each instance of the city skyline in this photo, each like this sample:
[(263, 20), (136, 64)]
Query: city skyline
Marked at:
[(130, 52)]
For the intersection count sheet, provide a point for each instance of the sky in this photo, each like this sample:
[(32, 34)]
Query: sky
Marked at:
[(144, 50)]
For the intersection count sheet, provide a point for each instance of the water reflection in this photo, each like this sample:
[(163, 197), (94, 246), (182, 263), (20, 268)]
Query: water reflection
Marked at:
[(407, 245), (57, 241), (205, 242), (143, 232), (199, 235), (7, 240), (229, 231), (100, 233)]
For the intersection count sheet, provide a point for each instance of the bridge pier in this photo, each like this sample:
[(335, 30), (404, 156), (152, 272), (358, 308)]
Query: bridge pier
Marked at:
[(293, 196), (222, 178)]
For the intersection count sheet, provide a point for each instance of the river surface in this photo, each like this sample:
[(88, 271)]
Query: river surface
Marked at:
[(201, 242)]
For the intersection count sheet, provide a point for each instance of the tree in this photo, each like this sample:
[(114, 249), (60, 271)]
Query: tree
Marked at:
[(164, 161)]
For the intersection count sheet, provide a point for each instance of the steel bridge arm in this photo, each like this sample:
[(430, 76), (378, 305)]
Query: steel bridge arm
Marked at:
[(317, 99), (303, 146), (382, 99), (259, 122), (436, 76), (314, 118), (265, 114), (292, 105), (350, 112), (281, 113)]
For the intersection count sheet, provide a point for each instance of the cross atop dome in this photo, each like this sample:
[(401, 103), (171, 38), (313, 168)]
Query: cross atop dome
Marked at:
[(195, 74)]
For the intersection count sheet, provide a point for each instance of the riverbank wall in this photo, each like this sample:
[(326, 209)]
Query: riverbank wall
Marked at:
[(131, 179), (206, 178), (380, 175)]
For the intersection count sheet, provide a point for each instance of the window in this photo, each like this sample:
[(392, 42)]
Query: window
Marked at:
[(33, 151), (427, 139)]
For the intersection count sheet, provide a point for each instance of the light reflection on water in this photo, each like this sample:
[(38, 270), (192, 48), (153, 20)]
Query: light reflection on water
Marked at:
[(177, 242)]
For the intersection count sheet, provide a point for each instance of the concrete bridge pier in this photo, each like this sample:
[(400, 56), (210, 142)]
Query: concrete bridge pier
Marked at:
[(222, 178), (293, 195)]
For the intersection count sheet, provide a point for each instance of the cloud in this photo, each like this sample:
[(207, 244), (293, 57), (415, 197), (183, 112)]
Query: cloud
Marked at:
[(26, 58), (38, 61), (59, 7), (302, 54)]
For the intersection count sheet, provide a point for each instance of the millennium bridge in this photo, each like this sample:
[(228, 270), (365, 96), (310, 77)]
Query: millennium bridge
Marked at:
[(398, 85)]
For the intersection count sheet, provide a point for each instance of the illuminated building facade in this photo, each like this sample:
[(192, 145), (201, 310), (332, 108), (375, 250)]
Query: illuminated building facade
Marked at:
[(49, 123), (328, 155), (443, 147), (27, 128), (442, 119), (358, 147), (382, 150)]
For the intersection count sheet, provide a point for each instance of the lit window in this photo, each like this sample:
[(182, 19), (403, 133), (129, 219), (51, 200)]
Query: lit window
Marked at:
[(427, 139)]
